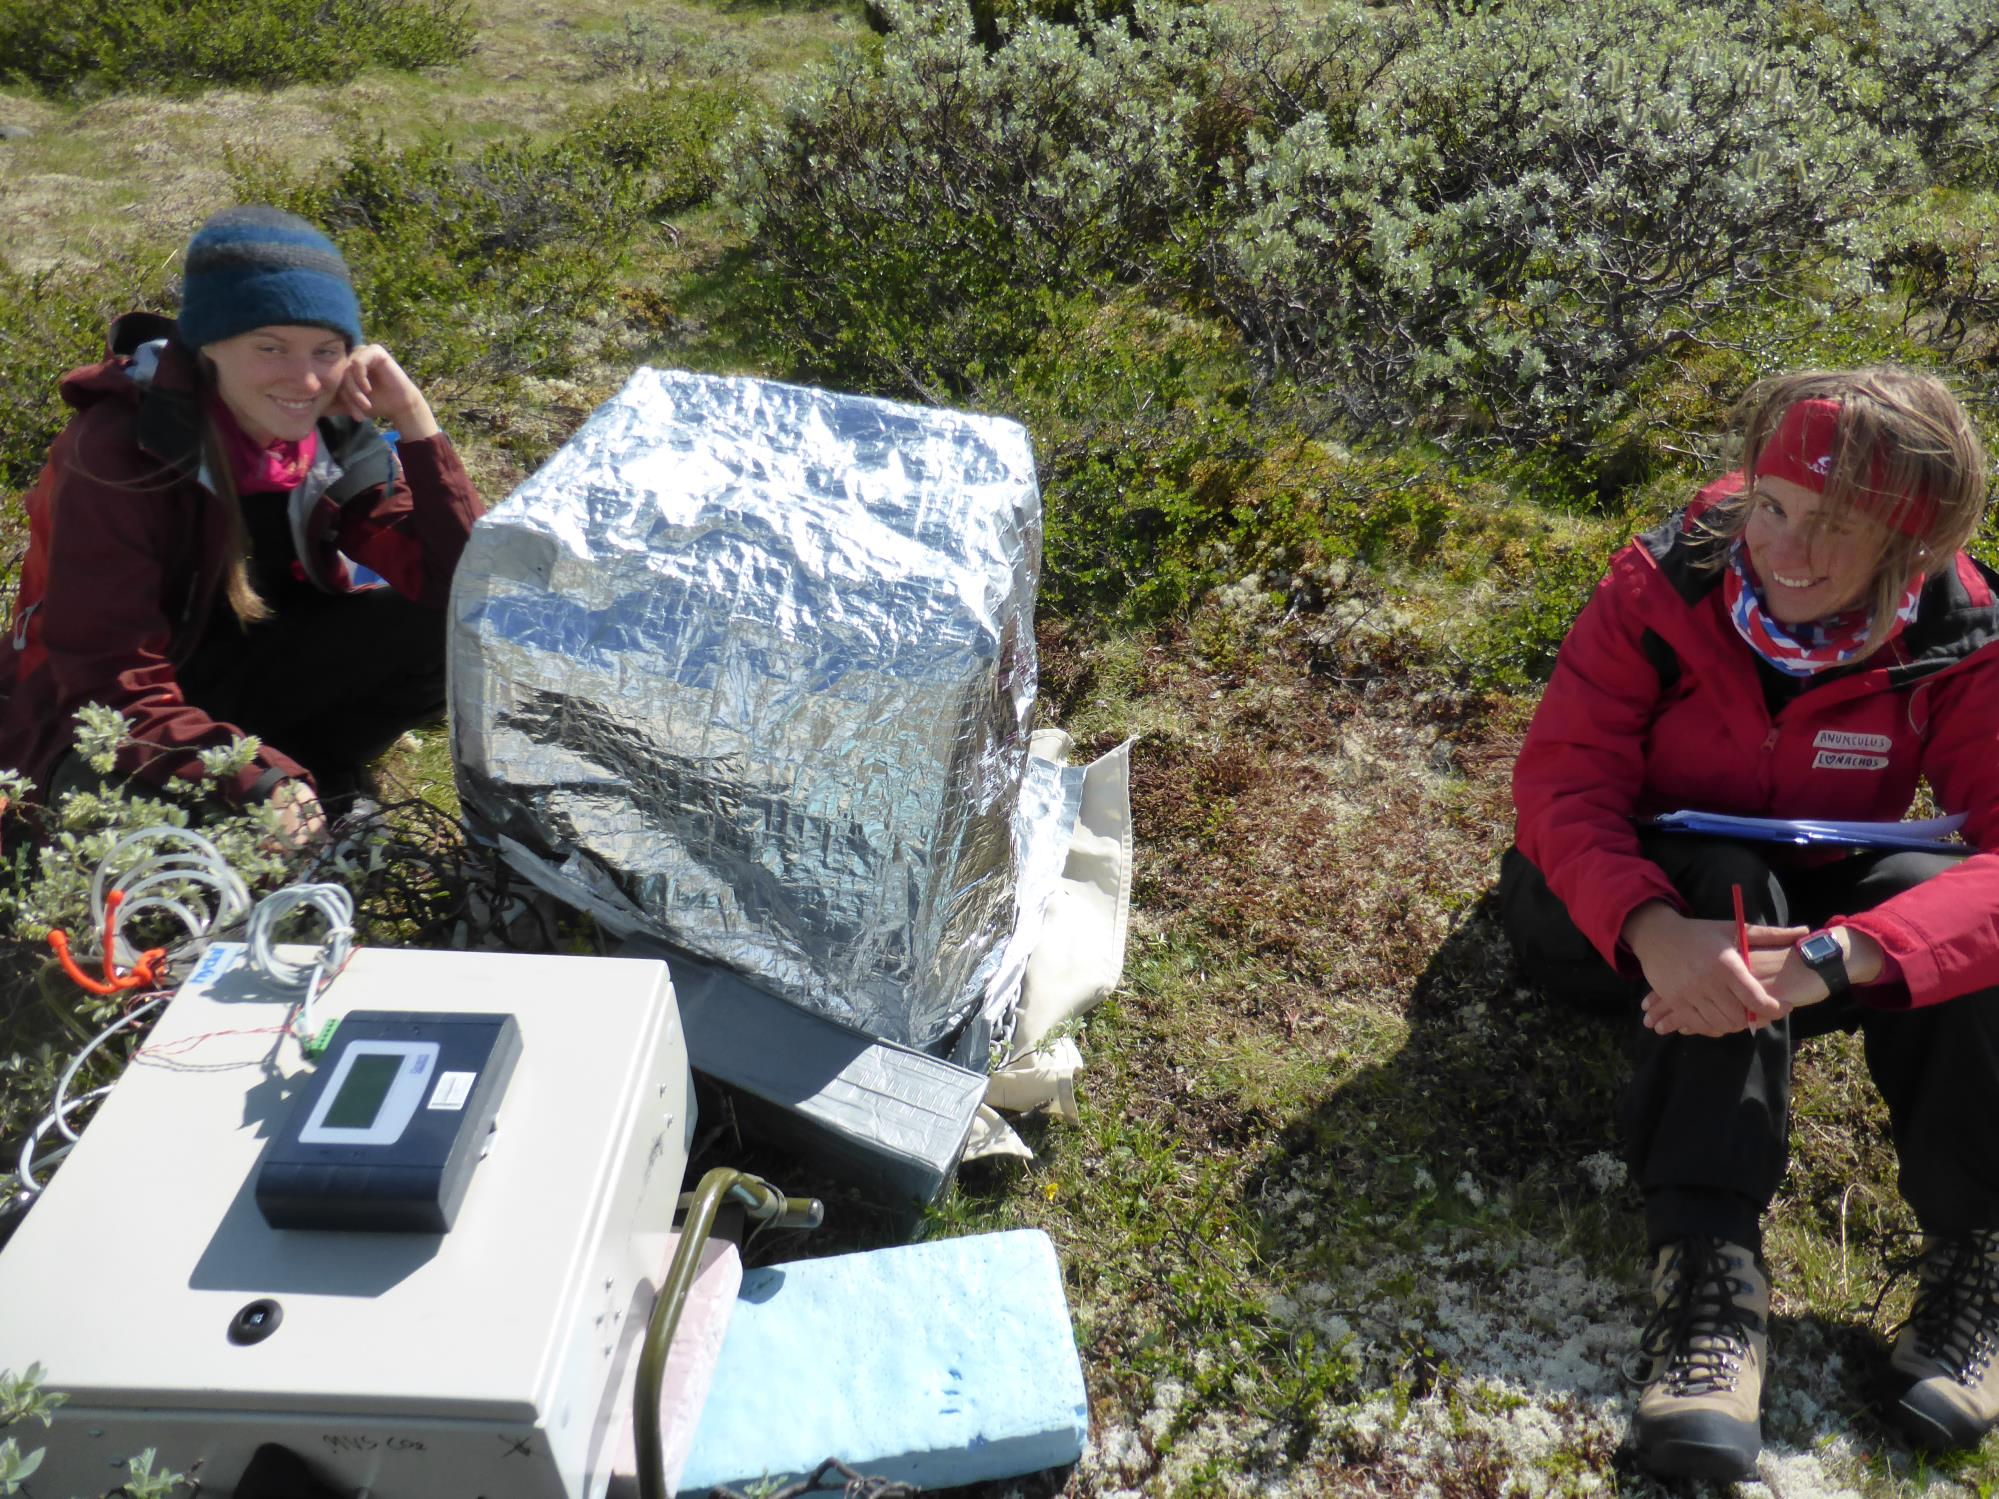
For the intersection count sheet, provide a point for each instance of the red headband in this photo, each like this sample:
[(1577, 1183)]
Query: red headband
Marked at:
[(1801, 449)]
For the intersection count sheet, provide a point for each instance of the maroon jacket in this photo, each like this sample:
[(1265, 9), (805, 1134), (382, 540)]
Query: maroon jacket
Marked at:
[(1656, 705), (127, 552)]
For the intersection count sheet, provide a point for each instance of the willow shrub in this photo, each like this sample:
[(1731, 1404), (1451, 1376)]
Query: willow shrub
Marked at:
[(1491, 222), (917, 202), (181, 45), (1527, 211), (1925, 73)]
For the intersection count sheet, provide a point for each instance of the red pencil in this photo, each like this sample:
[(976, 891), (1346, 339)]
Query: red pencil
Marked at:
[(1742, 944)]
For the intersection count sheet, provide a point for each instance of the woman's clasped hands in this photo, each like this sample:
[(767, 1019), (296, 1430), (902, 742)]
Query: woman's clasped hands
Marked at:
[(1700, 984)]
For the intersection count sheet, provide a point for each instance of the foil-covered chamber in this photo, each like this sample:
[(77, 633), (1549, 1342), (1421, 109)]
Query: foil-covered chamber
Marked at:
[(750, 667)]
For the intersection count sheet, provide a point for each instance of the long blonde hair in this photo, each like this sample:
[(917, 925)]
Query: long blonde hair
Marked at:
[(248, 605), (1902, 436)]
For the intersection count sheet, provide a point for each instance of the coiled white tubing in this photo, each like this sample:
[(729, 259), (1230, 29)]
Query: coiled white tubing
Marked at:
[(184, 876)]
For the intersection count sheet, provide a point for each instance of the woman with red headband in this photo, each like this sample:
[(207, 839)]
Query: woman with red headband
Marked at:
[(1806, 640)]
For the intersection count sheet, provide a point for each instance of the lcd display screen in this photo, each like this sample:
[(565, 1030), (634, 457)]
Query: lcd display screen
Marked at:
[(369, 1076)]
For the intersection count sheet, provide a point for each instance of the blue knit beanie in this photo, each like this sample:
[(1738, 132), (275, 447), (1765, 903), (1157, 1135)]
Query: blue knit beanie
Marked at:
[(261, 267)]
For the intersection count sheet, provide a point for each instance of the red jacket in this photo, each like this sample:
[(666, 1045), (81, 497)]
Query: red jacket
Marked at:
[(1655, 704), (127, 551)]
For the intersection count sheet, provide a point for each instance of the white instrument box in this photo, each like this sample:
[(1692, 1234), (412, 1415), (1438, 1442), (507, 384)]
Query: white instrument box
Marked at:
[(491, 1362)]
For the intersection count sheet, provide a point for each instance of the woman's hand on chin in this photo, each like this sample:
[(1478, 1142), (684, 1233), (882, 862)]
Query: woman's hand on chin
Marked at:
[(1700, 984), (376, 388)]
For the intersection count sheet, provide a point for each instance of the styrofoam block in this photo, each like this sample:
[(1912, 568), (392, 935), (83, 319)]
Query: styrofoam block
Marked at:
[(931, 1364)]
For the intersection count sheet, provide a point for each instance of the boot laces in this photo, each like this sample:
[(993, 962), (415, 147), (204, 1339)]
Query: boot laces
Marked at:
[(1700, 1330), (1956, 1315)]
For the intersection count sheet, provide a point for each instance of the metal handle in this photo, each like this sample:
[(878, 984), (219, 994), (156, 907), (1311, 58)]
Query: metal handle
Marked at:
[(764, 1204)]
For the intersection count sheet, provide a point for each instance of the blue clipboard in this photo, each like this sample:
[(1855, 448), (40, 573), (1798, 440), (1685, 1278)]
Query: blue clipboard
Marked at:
[(1937, 834)]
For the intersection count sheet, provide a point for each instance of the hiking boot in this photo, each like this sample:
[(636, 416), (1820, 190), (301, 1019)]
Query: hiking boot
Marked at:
[(1698, 1417), (1944, 1385)]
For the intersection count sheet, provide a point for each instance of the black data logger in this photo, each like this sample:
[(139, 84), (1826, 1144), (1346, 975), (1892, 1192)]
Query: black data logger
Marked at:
[(386, 1133)]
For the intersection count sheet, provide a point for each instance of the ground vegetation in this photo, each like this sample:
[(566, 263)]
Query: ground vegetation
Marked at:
[(183, 45)]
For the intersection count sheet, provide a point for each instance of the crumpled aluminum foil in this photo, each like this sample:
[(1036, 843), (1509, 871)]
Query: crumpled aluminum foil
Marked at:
[(750, 668)]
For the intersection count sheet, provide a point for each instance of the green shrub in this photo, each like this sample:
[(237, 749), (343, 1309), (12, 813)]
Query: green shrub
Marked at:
[(47, 885), (665, 138), (638, 47), (1499, 221), (918, 200), (994, 20), (1939, 255), (1524, 213), (1514, 642), (1163, 476), (1933, 71), (1147, 455), (50, 322), (22, 1399), (470, 266), (478, 266), (179, 45), (1924, 73), (642, 48)]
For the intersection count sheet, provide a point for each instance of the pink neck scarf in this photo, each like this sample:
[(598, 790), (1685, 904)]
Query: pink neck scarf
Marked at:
[(261, 468)]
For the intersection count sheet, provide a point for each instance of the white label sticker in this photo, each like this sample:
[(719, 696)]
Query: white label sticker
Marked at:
[(219, 959), (1837, 760), (1843, 739), (452, 1089)]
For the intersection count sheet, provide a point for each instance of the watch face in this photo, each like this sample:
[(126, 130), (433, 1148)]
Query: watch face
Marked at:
[(1818, 947)]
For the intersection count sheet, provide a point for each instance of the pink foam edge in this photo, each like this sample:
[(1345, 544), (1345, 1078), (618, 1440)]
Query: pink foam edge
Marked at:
[(690, 1362)]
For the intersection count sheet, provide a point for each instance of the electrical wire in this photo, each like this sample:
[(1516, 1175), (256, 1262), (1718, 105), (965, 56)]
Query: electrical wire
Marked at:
[(425, 878), (335, 906), (29, 1187), (60, 1112), (163, 869), (207, 868)]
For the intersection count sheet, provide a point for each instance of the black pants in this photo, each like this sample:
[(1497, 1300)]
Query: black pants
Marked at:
[(1707, 1119), (332, 680)]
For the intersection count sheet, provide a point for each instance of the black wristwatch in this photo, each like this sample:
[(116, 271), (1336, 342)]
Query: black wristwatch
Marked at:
[(1821, 952)]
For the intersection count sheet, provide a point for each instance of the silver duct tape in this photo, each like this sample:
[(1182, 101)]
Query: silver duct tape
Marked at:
[(750, 668)]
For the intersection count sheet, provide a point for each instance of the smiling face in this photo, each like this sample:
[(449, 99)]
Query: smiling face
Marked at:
[(1809, 566), (278, 382)]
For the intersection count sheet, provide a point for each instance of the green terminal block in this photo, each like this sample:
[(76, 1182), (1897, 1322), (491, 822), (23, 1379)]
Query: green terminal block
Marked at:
[(321, 1039)]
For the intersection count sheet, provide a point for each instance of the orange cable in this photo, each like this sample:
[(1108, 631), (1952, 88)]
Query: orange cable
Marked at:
[(143, 974)]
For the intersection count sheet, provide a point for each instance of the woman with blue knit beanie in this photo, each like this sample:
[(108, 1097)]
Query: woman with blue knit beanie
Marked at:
[(223, 540)]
